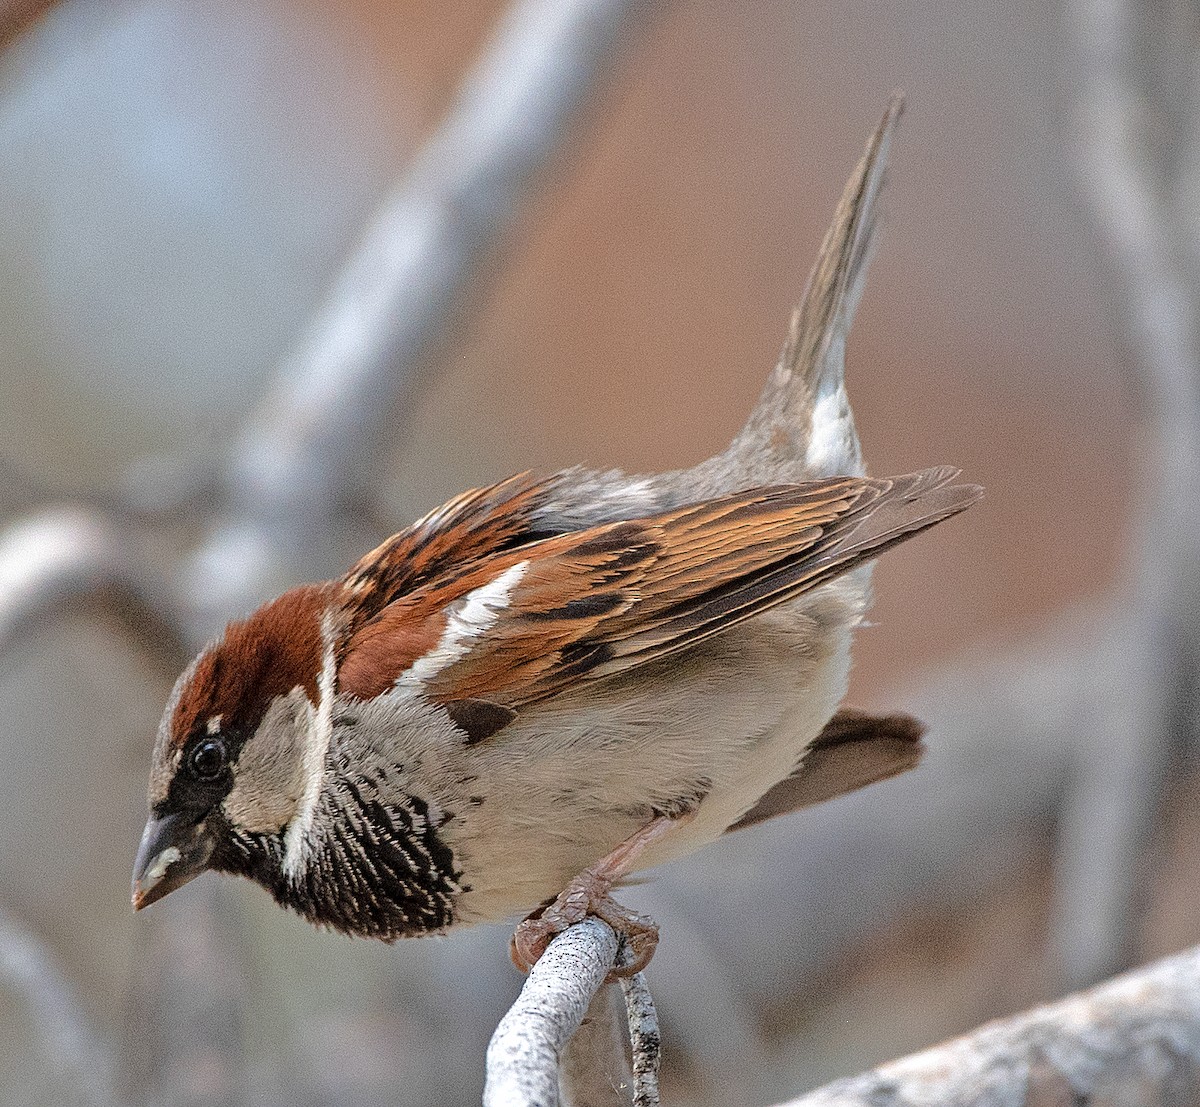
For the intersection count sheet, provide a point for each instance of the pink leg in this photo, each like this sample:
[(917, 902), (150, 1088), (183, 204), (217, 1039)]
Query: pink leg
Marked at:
[(589, 894)]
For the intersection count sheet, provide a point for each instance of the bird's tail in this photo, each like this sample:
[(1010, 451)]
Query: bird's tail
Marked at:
[(802, 427)]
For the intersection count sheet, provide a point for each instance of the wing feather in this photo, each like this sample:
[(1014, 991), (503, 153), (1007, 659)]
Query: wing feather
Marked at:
[(478, 523), (594, 603)]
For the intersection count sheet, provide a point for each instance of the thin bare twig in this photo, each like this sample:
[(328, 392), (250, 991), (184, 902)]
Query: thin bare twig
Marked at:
[(644, 1039), (1132, 1041)]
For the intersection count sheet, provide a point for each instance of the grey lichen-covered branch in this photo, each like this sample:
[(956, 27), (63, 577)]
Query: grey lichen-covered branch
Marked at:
[(524, 1056), (527, 1060), (1133, 1042)]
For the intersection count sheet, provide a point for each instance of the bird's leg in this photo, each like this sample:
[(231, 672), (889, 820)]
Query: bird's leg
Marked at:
[(589, 894)]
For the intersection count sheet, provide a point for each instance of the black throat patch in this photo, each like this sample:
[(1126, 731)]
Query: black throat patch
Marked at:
[(375, 867)]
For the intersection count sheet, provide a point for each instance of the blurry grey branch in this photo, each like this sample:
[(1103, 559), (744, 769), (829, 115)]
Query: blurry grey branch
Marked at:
[(70, 1051), (1129, 56), (1132, 1041), (311, 450), (65, 553)]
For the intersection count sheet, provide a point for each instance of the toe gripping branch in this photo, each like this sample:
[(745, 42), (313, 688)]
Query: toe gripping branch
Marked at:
[(590, 893)]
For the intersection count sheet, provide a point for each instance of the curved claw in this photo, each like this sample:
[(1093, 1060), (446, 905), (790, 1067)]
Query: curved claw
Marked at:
[(586, 895), (589, 893)]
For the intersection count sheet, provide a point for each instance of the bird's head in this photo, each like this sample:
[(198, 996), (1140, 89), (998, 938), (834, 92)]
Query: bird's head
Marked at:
[(241, 748)]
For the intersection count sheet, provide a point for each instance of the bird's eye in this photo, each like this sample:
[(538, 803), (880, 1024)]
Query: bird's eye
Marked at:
[(207, 759)]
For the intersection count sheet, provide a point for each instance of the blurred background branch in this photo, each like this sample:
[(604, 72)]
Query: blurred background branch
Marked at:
[(306, 464), (1132, 1042), (73, 1063)]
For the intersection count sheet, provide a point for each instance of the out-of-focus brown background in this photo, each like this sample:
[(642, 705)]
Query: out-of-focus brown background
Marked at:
[(180, 183)]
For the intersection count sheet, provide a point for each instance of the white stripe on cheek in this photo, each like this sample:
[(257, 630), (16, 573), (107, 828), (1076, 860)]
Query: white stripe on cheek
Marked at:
[(316, 749)]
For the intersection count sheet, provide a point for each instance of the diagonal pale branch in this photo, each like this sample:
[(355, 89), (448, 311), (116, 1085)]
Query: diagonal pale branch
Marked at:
[(320, 423), (524, 1053), (1134, 1041), (330, 414)]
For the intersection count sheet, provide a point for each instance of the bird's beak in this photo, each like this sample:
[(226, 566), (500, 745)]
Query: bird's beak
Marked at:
[(174, 849)]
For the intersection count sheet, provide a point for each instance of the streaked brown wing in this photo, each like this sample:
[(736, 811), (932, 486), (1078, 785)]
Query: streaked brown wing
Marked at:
[(476, 524), (597, 602)]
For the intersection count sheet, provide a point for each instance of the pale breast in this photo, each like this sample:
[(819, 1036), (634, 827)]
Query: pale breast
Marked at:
[(715, 727)]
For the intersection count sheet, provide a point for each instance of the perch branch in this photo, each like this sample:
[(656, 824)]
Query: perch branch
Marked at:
[(526, 1060), (1133, 1040), (523, 1055)]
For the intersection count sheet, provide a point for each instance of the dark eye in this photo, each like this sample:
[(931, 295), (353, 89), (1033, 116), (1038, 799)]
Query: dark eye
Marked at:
[(207, 759)]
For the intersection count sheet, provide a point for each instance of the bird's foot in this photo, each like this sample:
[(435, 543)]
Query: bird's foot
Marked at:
[(590, 893), (587, 894)]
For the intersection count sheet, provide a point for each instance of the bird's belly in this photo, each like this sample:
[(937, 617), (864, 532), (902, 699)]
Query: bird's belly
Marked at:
[(712, 732), (774, 756)]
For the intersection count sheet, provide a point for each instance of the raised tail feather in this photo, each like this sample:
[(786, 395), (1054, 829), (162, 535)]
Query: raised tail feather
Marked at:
[(802, 426)]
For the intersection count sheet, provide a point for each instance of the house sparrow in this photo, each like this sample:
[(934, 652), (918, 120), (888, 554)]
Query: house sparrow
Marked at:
[(547, 684)]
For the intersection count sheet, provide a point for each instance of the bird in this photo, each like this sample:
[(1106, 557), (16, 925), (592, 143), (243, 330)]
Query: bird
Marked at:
[(553, 682)]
